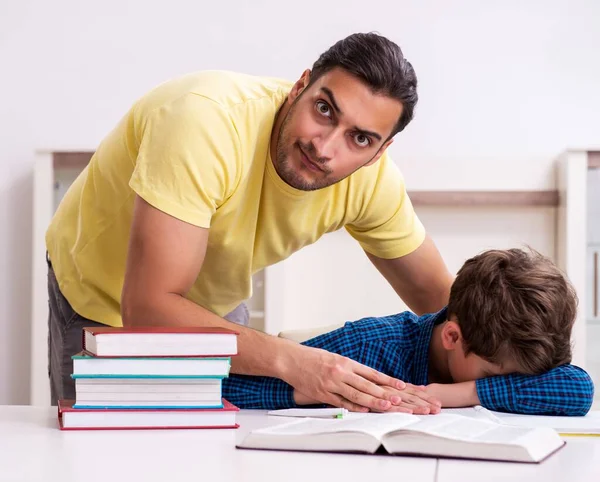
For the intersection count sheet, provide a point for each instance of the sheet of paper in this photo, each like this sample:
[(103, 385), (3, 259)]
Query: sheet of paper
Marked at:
[(589, 424)]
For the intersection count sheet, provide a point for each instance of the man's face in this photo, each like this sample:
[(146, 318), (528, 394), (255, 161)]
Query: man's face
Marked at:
[(334, 127)]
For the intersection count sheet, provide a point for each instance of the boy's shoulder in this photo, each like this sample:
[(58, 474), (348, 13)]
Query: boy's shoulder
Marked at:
[(398, 327)]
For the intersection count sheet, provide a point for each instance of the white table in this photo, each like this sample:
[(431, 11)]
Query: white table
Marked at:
[(33, 449), (578, 461)]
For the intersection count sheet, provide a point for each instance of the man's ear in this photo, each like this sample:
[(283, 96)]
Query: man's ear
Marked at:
[(451, 336), (299, 86), (380, 152)]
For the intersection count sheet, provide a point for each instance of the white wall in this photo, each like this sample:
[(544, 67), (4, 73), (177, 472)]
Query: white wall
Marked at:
[(314, 286), (505, 87)]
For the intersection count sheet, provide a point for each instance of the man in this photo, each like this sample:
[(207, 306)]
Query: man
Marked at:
[(215, 175)]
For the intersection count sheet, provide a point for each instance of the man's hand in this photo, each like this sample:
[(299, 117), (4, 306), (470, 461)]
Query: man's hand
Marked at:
[(455, 394), (415, 399), (323, 377)]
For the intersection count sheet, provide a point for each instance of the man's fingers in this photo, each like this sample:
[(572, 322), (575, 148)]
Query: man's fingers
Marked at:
[(361, 395), (378, 392), (378, 377), (338, 401)]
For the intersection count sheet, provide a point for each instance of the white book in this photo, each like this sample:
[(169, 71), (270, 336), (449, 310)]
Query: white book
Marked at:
[(442, 435), (148, 397), (71, 418), (147, 385), (156, 404), (166, 341), (84, 365)]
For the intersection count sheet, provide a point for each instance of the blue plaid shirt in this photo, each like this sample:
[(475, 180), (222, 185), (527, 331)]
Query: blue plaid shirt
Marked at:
[(398, 345)]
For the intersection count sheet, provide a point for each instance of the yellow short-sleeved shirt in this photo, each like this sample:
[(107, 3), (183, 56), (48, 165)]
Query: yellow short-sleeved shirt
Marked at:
[(197, 148)]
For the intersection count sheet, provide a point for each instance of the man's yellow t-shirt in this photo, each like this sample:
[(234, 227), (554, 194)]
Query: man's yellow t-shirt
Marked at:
[(197, 148)]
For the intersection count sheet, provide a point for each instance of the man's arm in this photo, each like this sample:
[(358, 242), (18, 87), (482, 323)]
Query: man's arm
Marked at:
[(164, 258), (352, 340), (565, 390), (420, 278)]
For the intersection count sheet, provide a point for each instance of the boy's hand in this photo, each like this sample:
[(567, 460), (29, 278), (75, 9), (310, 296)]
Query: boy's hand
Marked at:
[(455, 394), (414, 399)]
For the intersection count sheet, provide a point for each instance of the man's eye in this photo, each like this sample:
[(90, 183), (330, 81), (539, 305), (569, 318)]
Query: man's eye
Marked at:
[(323, 108), (362, 140)]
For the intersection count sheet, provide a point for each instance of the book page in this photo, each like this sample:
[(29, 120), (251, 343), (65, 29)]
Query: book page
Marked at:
[(373, 424), (468, 429)]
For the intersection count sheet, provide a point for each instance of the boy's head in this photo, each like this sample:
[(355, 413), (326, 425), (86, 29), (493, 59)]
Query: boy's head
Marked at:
[(510, 311)]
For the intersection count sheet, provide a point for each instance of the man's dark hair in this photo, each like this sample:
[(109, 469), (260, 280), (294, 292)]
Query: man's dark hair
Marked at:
[(378, 62), (515, 304)]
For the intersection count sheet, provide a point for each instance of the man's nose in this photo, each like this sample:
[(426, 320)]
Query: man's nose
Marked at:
[(327, 144)]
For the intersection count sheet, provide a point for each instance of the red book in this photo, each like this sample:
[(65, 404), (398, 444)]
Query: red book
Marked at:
[(160, 342), (70, 418)]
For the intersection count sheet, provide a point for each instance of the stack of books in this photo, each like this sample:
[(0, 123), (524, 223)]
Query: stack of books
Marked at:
[(151, 378)]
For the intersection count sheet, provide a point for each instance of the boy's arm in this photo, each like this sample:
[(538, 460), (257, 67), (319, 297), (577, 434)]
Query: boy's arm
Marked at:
[(267, 393), (263, 393), (565, 390)]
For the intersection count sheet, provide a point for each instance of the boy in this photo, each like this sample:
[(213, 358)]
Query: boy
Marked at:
[(503, 342)]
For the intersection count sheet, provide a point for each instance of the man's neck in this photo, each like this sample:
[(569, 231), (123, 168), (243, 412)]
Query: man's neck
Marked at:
[(438, 358)]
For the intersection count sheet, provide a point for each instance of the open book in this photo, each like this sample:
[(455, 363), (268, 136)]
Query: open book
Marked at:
[(442, 435)]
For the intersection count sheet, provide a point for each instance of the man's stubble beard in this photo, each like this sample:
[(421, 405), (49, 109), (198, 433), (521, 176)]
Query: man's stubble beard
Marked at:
[(282, 164)]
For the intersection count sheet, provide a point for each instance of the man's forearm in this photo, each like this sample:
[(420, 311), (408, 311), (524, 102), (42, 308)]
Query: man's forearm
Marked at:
[(259, 353)]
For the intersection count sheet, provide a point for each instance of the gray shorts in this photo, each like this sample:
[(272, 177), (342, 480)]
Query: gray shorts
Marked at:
[(65, 338)]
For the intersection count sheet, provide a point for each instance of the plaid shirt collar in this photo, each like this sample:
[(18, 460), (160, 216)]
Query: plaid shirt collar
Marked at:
[(420, 366)]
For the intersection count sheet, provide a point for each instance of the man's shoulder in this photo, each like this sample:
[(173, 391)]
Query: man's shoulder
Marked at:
[(226, 88), (232, 88)]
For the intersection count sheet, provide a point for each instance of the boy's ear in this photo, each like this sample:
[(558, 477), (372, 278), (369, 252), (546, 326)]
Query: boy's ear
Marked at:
[(451, 336)]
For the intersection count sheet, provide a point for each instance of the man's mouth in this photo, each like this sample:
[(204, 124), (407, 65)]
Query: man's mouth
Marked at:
[(308, 163)]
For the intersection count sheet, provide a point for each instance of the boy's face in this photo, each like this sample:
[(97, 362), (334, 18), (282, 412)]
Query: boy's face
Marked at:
[(469, 367)]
